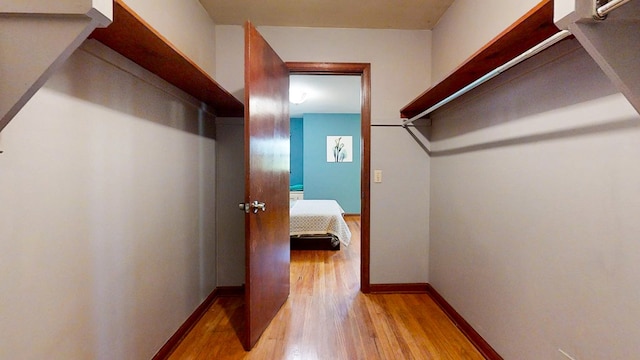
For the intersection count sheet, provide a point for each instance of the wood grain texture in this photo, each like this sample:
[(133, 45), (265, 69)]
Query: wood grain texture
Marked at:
[(531, 29), (193, 319), (266, 144), (136, 40), (183, 330), (364, 70), (327, 317), (415, 288)]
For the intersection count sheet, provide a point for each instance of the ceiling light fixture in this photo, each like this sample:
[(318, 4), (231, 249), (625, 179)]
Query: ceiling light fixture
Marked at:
[(297, 97)]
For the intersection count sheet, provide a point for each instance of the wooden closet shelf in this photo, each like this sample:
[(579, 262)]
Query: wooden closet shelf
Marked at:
[(132, 37), (528, 31)]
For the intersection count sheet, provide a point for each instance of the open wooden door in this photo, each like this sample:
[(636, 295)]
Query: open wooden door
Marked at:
[(266, 184)]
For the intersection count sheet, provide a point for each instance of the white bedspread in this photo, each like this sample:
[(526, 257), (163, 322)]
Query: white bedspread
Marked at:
[(309, 217)]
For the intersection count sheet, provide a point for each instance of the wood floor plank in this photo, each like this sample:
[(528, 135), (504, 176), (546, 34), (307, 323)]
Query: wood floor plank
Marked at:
[(327, 317)]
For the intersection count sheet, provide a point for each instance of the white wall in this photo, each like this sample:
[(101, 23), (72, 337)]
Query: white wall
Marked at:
[(185, 24), (107, 230), (400, 62), (230, 172), (400, 59), (467, 26), (533, 214), (107, 211), (399, 207), (563, 10)]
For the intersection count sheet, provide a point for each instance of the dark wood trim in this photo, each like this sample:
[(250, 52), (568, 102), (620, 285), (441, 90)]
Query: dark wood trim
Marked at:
[(327, 68), (481, 344), (173, 342), (227, 291), (315, 242), (364, 70), (365, 187), (136, 40), (415, 288), (531, 29)]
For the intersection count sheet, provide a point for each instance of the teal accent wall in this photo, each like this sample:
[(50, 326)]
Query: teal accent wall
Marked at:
[(325, 180), (297, 151)]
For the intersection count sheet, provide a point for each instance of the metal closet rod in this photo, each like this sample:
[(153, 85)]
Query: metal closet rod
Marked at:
[(518, 59), (603, 10)]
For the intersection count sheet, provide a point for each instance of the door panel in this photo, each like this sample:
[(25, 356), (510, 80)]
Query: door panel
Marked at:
[(266, 181)]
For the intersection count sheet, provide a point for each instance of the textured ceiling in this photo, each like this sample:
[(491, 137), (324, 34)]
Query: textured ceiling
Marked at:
[(365, 14)]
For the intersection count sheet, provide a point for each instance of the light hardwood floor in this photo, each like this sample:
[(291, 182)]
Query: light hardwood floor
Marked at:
[(327, 317)]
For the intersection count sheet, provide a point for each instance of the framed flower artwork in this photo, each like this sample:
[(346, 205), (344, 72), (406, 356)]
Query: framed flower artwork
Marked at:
[(339, 148)]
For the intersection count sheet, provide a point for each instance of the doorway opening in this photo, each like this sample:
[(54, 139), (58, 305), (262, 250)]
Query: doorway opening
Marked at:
[(363, 70)]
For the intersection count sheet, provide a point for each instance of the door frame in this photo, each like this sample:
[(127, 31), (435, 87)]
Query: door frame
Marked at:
[(364, 70)]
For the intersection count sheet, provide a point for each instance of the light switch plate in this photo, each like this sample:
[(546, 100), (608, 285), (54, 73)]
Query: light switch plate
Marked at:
[(377, 176)]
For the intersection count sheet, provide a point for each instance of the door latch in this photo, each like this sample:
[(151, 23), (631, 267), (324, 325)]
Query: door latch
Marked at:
[(256, 205)]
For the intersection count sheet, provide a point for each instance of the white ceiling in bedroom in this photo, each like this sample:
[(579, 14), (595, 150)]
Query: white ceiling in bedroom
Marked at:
[(325, 94)]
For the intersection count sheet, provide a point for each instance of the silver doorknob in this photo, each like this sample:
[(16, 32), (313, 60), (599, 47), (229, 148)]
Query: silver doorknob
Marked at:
[(257, 205)]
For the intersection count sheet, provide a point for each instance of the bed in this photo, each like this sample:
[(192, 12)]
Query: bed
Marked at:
[(318, 224)]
